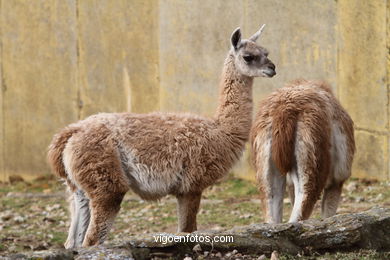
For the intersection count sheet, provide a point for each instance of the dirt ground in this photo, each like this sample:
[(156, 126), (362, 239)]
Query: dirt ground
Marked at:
[(34, 215)]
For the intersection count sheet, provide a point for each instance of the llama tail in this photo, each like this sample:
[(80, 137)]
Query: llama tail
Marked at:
[(56, 147), (283, 140)]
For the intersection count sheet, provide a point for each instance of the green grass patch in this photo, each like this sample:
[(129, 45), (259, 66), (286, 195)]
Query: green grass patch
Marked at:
[(232, 188), (58, 237)]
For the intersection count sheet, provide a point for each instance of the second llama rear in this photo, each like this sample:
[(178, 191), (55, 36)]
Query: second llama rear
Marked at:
[(302, 136)]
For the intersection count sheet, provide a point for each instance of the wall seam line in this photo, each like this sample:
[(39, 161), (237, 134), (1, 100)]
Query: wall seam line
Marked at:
[(157, 12), (79, 101), (388, 81), (160, 94), (338, 39), (3, 89)]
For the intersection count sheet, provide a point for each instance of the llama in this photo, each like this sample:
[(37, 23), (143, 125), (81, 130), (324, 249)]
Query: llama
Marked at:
[(157, 154), (301, 133)]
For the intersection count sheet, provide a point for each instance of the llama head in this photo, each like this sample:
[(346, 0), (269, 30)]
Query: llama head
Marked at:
[(250, 58)]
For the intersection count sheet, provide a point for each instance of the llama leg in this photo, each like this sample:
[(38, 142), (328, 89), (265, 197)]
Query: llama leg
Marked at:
[(103, 212), (290, 189), (84, 215), (70, 241), (97, 171), (187, 209), (340, 172), (80, 215), (271, 183), (305, 198), (331, 199), (296, 213), (275, 186)]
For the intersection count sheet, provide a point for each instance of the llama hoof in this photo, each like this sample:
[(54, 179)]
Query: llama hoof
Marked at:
[(69, 244), (90, 242)]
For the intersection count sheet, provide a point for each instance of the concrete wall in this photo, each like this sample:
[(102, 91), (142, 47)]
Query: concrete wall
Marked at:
[(39, 79), (363, 79), (64, 60)]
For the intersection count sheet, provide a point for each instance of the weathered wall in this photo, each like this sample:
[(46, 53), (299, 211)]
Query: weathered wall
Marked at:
[(194, 39), (363, 81), (64, 60), (118, 56), (38, 62)]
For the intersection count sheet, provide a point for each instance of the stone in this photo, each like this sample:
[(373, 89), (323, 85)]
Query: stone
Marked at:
[(219, 255), (197, 248), (275, 255)]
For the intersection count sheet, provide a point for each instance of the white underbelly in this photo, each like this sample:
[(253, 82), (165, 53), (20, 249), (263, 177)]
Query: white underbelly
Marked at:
[(151, 182)]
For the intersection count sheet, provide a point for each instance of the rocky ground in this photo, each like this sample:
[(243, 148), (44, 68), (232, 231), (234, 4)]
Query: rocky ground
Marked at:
[(33, 215)]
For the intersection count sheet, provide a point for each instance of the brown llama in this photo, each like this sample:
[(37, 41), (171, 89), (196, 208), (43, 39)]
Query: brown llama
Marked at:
[(302, 133), (156, 154)]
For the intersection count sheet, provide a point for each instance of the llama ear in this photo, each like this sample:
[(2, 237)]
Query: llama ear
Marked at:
[(236, 38), (255, 36)]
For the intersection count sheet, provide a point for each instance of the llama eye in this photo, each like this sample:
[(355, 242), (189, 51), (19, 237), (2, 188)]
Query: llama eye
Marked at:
[(249, 58)]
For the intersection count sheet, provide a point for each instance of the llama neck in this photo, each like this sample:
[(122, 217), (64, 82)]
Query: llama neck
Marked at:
[(235, 103)]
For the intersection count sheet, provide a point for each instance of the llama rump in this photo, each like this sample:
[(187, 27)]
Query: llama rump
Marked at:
[(156, 154), (302, 136)]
